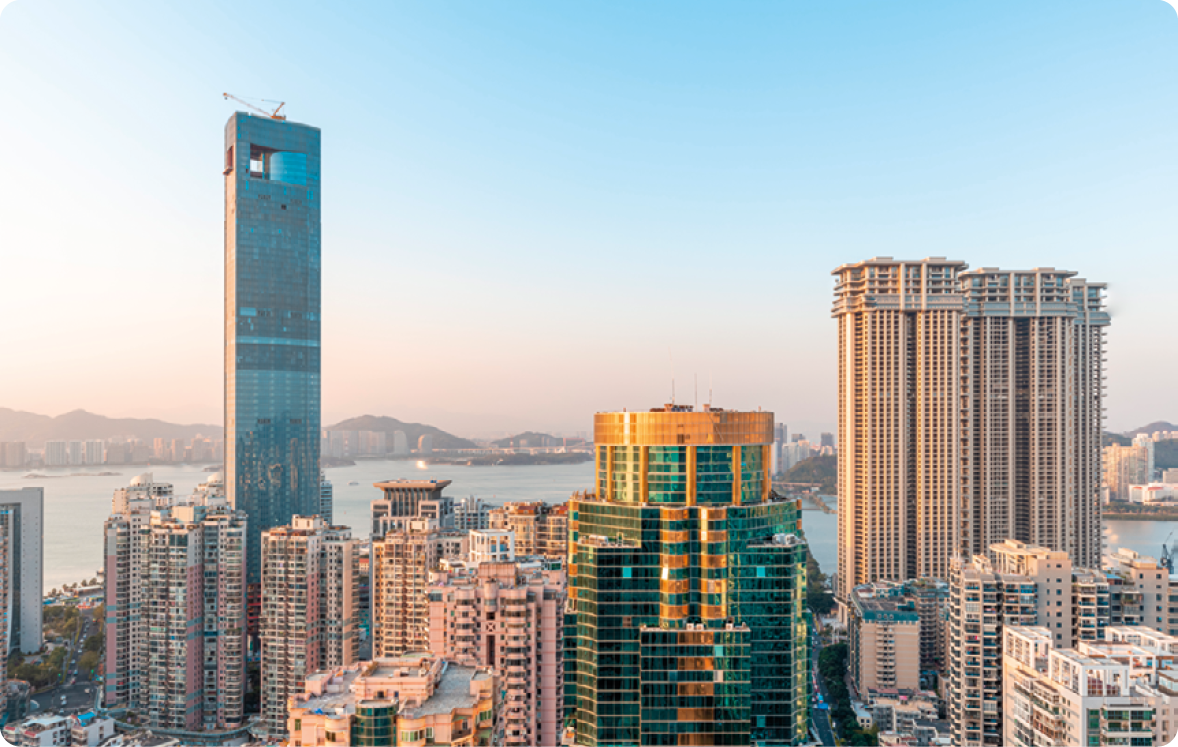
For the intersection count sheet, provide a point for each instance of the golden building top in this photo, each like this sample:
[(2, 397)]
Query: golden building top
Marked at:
[(681, 425)]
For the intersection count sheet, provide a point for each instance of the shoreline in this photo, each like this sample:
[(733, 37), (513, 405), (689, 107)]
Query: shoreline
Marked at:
[(1133, 516)]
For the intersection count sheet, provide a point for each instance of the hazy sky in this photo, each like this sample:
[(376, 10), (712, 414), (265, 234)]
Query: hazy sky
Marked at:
[(530, 209)]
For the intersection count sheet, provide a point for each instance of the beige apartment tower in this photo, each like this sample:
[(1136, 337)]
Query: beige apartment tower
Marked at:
[(969, 413)]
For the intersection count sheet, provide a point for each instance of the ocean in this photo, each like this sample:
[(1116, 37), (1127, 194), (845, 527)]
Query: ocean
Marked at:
[(76, 506)]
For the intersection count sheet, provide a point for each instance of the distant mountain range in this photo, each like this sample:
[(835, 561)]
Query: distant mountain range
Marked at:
[(81, 425), (412, 431), (529, 438)]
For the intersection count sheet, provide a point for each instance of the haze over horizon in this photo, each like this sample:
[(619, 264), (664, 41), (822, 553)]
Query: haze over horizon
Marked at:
[(535, 213)]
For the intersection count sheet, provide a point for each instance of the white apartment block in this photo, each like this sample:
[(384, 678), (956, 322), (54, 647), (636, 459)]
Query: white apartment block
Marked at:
[(969, 413), (1111, 692)]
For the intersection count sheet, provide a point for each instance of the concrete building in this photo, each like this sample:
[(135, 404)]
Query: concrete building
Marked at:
[(1110, 692), (411, 499), (884, 641), (326, 499), (400, 443), (471, 513), (13, 454), (272, 322), (1125, 466), (401, 565), (540, 528), (56, 454), (410, 701), (22, 527), (310, 599), (492, 546), (687, 576), (1154, 492), (509, 617), (45, 731), (90, 730), (969, 412), (425, 444)]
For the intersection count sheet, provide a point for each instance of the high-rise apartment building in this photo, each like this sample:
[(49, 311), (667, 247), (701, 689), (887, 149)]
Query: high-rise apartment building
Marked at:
[(969, 413), (471, 513), (22, 525), (272, 322), (175, 608), (56, 454), (686, 584), (401, 565), (509, 617), (1126, 466), (540, 528), (326, 500), (309, 617)]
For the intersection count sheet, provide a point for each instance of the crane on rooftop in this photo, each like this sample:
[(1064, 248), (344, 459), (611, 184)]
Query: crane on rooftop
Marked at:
[(271, 114)]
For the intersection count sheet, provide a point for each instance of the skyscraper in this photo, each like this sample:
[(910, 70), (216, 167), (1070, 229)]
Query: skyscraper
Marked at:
[(969, 413), (686, 584), (272, 322), (24, 565)]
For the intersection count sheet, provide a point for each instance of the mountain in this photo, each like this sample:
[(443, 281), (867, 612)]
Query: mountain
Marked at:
[(412, 431), (1160, 425), (529, 438), (819, 469), (81, 425)]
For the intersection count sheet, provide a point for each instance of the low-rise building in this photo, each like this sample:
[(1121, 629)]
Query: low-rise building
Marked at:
[(45, 731), (89, 729), (409, 701), (1154, 492), (1099, 693)]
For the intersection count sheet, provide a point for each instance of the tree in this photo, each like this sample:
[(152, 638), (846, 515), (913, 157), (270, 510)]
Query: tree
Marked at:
[(88, 661), (94, 642), (817, 599)]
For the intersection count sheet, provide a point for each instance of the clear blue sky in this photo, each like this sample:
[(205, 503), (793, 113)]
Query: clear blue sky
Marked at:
[(530, 208)]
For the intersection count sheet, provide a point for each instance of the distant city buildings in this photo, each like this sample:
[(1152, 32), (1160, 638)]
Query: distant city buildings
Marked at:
[(22, 527), (969, 413), (1126, 466), (425, 444), (272, 318), (471, 513), (326, 499)]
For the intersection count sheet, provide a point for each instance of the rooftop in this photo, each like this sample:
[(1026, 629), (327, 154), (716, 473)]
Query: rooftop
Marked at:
[(453, 692), (409, 484)]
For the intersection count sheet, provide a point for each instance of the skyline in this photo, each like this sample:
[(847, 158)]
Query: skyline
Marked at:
[(491, 175)]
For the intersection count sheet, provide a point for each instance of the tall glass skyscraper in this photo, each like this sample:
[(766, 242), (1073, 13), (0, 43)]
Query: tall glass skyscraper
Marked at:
[(272, 296), (687, 579)]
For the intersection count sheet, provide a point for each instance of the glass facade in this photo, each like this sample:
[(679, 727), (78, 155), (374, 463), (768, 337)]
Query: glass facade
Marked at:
[(685, 541), (272, 322)]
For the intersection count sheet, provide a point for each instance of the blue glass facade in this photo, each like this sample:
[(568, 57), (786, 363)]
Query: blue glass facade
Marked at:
[(272, 322)]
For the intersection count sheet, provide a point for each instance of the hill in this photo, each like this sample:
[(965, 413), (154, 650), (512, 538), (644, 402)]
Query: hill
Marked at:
[(1160, 425), (528, 438), (412, 431), (80, 425), (819, 469)]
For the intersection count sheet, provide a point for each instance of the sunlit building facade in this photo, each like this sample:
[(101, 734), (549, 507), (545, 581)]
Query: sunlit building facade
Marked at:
[(686, 587), (272, 322)]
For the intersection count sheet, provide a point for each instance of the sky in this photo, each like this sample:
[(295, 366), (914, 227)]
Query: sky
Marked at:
[(536, 211)]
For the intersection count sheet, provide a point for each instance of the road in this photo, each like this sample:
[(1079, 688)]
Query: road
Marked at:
[(820, 717), (77, 689)]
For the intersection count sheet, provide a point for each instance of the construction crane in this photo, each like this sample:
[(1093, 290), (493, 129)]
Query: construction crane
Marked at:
[(272, 115)]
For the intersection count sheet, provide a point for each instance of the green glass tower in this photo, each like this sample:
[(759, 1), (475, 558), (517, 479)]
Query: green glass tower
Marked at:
[(687, 580)]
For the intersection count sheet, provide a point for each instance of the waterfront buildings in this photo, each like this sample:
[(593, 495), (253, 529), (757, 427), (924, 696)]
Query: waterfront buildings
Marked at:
[(425, 444), (310, 615), (410, 701), (1118, 691), (540, 528), (510, 617), (326, 499), (1126, 466), (969, 413), (686, 587), (13, 454), (21, 524), (272, 322)]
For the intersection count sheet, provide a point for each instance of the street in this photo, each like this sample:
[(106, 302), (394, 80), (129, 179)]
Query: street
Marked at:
[(820, 716), (78, 691)]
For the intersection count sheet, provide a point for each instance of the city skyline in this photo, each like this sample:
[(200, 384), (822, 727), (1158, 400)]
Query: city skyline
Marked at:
[(801, 155)]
